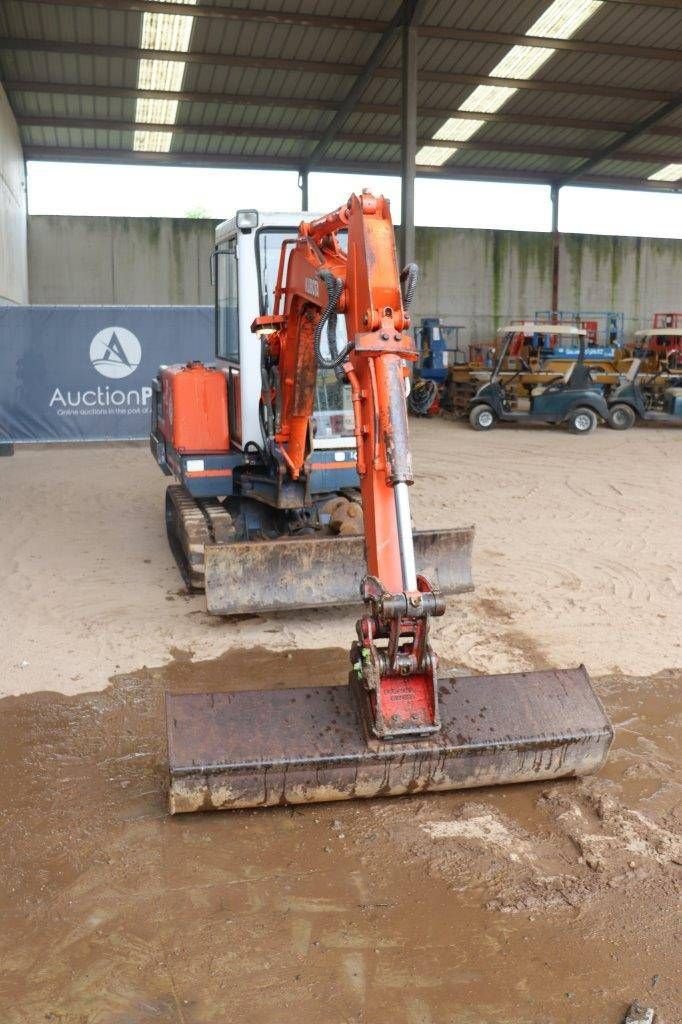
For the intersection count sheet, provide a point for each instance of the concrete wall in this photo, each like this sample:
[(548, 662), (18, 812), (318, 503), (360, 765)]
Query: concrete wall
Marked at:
[(13, 263), (640, 276), (480, 279), (120, 261)]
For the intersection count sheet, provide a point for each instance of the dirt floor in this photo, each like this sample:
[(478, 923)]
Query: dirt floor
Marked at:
[(537, 904)]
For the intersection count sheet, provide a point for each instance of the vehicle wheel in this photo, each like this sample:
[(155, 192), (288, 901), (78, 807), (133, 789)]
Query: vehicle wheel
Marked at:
[(582, 420), (482, 417), (622, 417)]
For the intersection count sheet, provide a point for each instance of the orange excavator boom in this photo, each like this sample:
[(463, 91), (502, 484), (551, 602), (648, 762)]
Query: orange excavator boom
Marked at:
[(318, 279)]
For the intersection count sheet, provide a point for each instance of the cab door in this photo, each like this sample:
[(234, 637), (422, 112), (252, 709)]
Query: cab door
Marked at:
[(227, 328)]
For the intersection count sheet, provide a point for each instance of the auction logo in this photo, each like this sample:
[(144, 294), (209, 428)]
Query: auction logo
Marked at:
[(115, 352)]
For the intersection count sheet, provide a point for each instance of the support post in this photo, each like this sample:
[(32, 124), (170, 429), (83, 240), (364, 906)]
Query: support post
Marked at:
[(303, 185), (555, 249), (408, 149)]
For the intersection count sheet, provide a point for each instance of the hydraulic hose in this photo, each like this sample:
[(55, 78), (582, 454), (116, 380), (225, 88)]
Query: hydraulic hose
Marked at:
[(408, 279), (334, 286), (266, 414)]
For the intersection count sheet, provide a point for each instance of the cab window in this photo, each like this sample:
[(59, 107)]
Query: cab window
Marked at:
[(333, 416), (226, 302)]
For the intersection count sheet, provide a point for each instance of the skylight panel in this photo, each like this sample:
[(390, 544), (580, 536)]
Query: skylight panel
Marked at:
[(458, 129), (563, 18), (156, 111), (171, 32), (486, 99), (152, 142), (166, 32), (166, 75), (521, 62), (434, 156), (671, 172)]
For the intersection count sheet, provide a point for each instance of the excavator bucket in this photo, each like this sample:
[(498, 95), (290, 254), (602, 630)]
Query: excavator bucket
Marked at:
[(308, 745), (280, 575)]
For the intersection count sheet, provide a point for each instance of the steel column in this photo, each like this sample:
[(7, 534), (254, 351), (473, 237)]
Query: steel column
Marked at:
[(303, 185), (556, 241), (408, 139)]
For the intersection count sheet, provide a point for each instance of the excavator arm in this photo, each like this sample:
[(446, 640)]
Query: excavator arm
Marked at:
[(394, 666)]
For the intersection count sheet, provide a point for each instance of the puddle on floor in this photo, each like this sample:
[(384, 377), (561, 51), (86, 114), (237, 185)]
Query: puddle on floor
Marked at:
[(538, 904)]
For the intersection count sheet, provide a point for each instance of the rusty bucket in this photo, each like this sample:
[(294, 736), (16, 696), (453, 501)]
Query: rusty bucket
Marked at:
[(307, 745)]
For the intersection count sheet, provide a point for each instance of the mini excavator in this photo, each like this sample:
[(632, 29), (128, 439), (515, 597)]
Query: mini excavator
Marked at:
[(240, 527), (398, 726)]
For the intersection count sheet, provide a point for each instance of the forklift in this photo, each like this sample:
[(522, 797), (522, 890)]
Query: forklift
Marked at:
[(571, 397), (631, 402)]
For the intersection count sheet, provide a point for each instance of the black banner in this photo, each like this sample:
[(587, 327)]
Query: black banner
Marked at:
[(84, 373)]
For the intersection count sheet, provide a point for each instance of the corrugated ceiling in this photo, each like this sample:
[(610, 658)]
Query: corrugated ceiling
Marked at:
[(262, 90)]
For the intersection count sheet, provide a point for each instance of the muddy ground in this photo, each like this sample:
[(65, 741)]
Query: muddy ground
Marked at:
[(530, 904), (542, 904)]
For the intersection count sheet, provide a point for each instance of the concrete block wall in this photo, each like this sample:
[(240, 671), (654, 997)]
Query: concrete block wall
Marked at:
[(640, 276), (13, 259), (480, 279), (135, 261)]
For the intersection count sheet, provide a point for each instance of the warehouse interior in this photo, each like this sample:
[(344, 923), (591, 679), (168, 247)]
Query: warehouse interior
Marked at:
[(544, 902)]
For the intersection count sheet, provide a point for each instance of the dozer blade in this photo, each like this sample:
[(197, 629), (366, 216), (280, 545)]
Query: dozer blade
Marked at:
[(296, 746), (279, 575)]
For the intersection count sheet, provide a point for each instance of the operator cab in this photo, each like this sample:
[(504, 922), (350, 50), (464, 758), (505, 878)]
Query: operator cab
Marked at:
[(245, 265), (207, 427)]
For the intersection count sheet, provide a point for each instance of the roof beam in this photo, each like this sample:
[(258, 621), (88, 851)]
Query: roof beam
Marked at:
[(674, 4), (188, 96), (366, 25), (312, 103), (292, 134), (356, 90), (549, 42), (447, 172), (325, 68), (219, 12), (615, 149)]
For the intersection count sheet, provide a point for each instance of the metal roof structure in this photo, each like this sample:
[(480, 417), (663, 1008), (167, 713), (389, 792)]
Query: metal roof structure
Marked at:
[(300, 84)]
